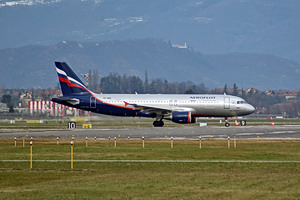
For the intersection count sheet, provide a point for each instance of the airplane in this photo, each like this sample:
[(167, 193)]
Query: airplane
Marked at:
[(178, 108)]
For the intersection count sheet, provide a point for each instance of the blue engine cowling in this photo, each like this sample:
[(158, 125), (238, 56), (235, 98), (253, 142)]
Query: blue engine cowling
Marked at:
[(183, 117)]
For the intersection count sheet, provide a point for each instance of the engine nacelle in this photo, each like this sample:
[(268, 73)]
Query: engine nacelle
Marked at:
[(183, 117)]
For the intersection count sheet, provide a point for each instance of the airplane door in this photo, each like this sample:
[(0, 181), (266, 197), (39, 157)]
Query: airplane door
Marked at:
[(175, 103), (92, 102), (226, 102)]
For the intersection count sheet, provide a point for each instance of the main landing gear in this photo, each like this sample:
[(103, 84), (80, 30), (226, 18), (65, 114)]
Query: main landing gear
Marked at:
[(159, 123)]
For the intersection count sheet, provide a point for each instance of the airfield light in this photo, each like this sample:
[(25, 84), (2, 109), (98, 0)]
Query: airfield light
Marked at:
[(86, 141), (115, 141), (143, 138), (57, 140), (15, 142), (171, 142)]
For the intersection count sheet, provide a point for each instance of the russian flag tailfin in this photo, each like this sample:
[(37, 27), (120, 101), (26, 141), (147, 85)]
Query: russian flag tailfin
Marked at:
[(69, 81)]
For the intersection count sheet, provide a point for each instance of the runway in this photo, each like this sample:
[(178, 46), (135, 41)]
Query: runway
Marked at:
[(248, 132)]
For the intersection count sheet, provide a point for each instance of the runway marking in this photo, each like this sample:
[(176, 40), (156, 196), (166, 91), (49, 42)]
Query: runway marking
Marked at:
[(280, 132), (163, 161), (250, 134)]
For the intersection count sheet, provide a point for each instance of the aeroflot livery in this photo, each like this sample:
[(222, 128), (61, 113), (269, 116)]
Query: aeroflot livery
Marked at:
[(181, 109)]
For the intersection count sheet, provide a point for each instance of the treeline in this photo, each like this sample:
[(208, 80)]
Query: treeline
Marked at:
[(124, 84)]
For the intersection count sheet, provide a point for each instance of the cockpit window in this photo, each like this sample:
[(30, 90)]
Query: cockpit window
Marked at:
[(241, 102)]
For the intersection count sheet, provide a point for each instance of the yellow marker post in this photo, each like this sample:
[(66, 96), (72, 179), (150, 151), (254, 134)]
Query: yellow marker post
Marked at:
[(115, 142), (211, 137), (143, 138), (72, 154), (228, 143), (200, 142), (86, 141), (23, 142), (171, 142), (234, 142), (57, 140), (31, 143), (15, 142)]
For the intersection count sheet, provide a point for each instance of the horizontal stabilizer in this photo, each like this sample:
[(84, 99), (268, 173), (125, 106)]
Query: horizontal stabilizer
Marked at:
[(72, 101)]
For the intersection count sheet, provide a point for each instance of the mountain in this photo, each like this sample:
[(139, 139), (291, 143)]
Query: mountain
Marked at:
[(33, 65), (209, 26)]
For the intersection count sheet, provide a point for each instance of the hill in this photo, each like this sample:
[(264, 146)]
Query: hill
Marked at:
[(33, 66), (210, 26)]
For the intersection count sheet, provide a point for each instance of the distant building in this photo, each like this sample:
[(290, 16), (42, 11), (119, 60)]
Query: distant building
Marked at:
[(251, 90), (3, 108), (54, 109), (180, 46)]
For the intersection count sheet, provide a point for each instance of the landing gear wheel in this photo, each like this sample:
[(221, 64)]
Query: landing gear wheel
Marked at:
[(227, 124), (158, 123), (243, 123), (161, 123)]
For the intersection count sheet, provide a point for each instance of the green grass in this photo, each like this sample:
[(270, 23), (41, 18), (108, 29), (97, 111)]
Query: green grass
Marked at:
[(89, 180)]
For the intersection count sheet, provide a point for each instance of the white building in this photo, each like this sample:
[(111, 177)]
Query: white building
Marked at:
[(54, 109)]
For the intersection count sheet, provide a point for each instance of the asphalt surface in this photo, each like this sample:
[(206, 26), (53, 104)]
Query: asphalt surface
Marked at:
[(248, 132)]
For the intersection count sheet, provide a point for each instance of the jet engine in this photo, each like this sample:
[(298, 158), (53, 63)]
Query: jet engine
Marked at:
[(183, 117)]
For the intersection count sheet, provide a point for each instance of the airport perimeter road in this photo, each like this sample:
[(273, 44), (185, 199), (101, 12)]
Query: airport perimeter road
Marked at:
[(248, 132)]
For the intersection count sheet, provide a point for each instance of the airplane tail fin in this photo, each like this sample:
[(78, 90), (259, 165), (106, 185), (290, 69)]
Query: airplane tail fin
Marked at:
[(69, 81)]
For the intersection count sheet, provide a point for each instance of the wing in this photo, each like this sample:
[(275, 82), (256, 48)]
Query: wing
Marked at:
[(152, 109), (159, 110)]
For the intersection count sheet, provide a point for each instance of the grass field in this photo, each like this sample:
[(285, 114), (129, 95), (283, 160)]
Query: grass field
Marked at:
[(210, 179)]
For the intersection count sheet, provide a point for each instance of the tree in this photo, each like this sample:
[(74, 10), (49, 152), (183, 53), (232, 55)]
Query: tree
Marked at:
[(11, 109), (235, 90), (189, 91), (111, 83), (146, 84), (225, 89), (6, 99)]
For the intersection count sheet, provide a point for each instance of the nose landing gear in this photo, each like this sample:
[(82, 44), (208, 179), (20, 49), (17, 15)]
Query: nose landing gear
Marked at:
[(242, 122), (226, 122)]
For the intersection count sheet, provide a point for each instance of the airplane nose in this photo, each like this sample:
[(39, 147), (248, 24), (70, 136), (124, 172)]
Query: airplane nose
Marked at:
[(250, 109)]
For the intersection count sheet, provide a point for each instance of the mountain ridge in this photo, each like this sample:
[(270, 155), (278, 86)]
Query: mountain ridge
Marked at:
[(210, 26), (33, 66)]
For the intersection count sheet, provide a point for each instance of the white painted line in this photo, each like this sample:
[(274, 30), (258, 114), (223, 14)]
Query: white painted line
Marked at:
[(250, 134), (163, 161)]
